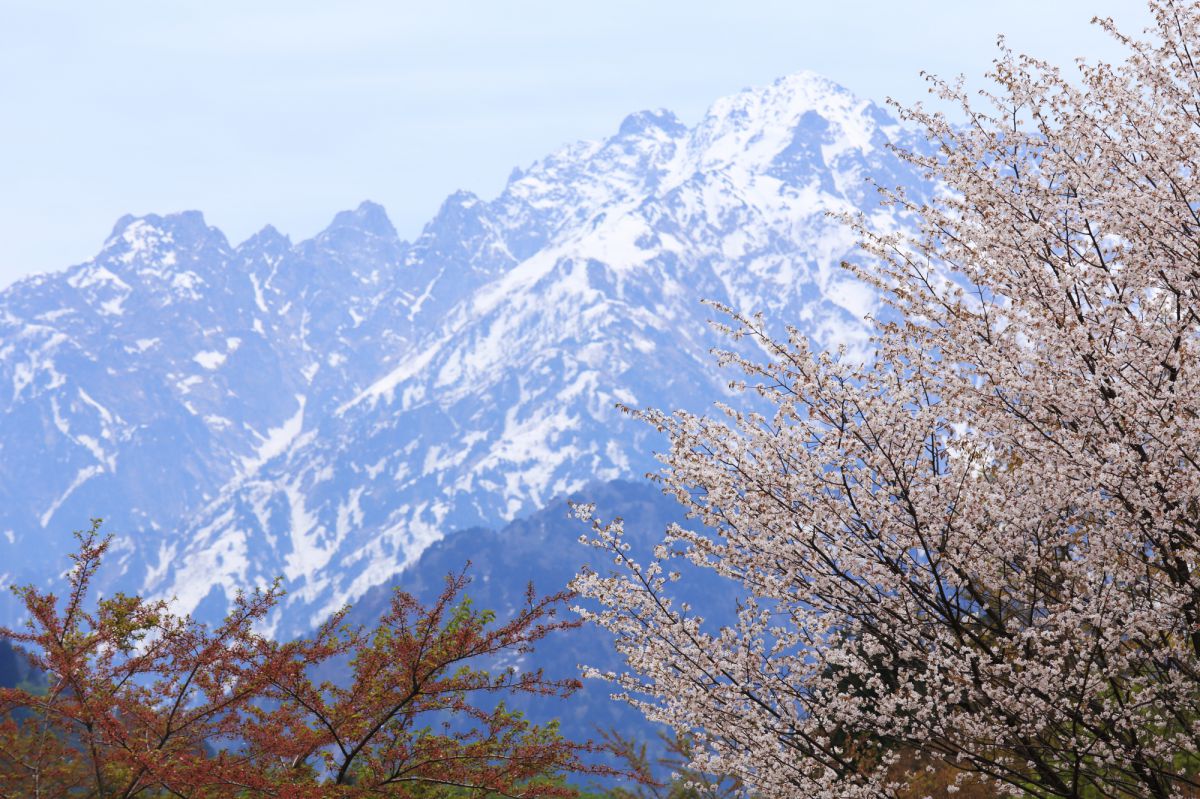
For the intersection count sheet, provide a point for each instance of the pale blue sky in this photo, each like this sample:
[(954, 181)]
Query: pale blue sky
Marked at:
[(287, 111)]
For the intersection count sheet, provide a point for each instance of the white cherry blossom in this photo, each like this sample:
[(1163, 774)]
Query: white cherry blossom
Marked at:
[(982, 545)]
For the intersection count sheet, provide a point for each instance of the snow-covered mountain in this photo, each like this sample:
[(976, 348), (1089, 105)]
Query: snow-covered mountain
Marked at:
[(325, 410)]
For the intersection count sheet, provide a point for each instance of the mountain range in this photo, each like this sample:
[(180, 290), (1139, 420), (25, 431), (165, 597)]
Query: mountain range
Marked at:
[(326, 410)]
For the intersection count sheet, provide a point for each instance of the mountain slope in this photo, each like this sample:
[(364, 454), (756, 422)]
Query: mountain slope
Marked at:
[(543, 549)]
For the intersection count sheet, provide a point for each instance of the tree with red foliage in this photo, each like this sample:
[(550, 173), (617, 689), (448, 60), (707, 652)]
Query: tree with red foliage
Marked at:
[(143, 702)]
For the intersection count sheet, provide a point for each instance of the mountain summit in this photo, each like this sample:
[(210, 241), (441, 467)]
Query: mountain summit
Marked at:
[(325, 410)]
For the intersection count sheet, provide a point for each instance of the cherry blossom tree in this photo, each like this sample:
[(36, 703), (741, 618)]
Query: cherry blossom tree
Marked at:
[(982, 546), (139, 702)]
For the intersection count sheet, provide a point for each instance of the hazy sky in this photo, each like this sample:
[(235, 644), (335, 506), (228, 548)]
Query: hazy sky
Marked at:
[(286, 111)]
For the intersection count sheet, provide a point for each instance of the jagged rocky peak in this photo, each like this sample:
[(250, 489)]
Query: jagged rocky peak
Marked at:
[(756, 124), (363, 238), (369, 217), (799, 128), (267, 245), (154, 240), (181, 220), (268, 241), (458, 222), (655, 123), (787, 98), (183, 227), (464, 237), (457, 202)]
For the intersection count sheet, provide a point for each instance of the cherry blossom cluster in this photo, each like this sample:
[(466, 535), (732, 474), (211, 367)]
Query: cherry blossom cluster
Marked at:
[(981, 546)]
